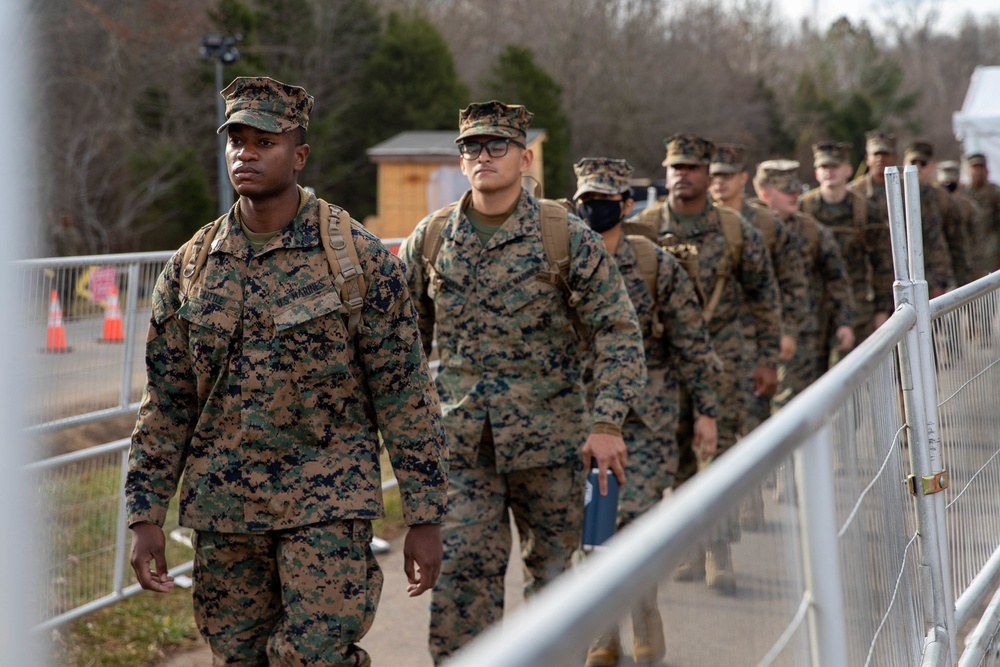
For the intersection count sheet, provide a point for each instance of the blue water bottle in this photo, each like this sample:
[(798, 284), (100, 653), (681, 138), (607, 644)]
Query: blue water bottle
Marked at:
[(600, 513)]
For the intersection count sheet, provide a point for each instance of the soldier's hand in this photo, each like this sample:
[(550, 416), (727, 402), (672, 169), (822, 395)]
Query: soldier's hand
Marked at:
[(610, 453), (422, 548), (706, 437), (845, 338), (148, 544), (765, 381), (786, 348)]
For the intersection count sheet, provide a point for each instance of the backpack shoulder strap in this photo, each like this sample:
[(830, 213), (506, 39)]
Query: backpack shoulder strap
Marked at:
[(432, 236), (196, 254), (732, 229), (342, 255), (555, 241), (649, 266)]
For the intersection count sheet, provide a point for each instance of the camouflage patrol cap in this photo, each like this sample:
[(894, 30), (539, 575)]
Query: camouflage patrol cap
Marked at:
[(831, 153), (918, 150), (877, 141), (494, 119), (266, 104), (975, 160), (782, 175), (688, 149), (604, 175), (947, 171), (728, 159)]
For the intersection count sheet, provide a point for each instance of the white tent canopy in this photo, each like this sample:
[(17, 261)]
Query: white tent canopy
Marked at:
[(977, 125)]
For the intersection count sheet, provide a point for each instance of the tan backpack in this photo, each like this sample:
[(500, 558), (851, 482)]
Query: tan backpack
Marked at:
[(555, 240), (334, 230), (648, 225)]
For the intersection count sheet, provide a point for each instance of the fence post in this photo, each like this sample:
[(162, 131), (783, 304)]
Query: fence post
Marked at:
[(917, 379), (821, 555), (131, 314), (121, 531)]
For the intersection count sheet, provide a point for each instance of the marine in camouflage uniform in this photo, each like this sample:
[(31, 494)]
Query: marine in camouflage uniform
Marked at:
[(677, 348), (260, 399), (987, 196), (511, 377), (969, 214), (864, 243), (729, 178), (745, 282), (778, 185), (880, 152), (933, 197)]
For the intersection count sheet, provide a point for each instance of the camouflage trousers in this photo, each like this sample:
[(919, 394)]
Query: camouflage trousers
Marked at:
[(547, 507), (295, 597), (799, 372), (652, 464), (729, 423)]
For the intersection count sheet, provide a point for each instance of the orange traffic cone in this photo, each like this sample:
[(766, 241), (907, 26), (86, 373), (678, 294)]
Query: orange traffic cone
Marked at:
[(55, 340), (113, 332)]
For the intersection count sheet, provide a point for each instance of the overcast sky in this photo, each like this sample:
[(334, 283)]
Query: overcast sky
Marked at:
[(875, 11)]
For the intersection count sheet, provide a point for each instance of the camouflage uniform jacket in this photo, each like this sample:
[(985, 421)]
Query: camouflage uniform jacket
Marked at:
[(272, 413), (508, 350), (988, 198), (682, 353), (867, 249), (750, 286), (937, 260), (788, 270), (829, 283)]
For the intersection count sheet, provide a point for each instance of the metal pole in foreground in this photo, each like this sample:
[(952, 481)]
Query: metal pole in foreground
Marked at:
[(19, 550), (225, 188)]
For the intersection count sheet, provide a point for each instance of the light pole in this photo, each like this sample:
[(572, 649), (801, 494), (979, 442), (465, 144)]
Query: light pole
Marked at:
[(222, 49)]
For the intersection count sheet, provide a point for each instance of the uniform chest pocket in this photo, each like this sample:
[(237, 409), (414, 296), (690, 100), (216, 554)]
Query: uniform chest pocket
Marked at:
[(533, 297), (312, 337), (212, 326), (448, 296)]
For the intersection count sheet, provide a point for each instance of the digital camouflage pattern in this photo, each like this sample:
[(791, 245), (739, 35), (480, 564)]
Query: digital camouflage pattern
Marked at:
[(547, 504), (688, 149), (266, 104), (831, 153), (782, 175), (508, 349), (515, 411), (987, 197), (867, 253), (958, 225), (325, 604), (786, 260), (603, 175), (750, 286), (830, 291), (256, 394), (918, 150), (682, 353), (494, 119), (937, 259), (728, 159), (877, 141)]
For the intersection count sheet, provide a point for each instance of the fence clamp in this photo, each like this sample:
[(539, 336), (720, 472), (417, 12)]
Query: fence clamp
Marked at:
[(930, 484)]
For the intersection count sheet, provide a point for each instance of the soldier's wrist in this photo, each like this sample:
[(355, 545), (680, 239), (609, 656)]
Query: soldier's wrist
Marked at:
[(606, 428)]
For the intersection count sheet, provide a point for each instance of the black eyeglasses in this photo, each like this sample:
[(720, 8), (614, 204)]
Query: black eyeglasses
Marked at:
[(470, 150)]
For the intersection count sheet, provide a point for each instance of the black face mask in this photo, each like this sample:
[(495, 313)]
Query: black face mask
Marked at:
[(600, 214)]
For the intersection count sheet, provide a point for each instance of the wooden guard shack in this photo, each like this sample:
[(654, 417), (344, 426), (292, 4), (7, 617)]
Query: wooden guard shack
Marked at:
[(418, 173)]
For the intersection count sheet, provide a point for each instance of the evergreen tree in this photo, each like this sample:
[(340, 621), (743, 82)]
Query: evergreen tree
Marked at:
[(517, 79), (409, 83)]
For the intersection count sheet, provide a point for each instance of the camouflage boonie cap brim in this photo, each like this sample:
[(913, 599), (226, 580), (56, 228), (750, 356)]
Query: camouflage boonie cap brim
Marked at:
[(266, 104), (877, 141), (918, 150), (688, 149), (603, 175), (781, 175), (728, 159), (494, 119), (976, 160), (948, 171), (831, 153)]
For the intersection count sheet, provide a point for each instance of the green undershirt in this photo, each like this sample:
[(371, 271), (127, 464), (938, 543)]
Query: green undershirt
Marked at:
[(486, 226)]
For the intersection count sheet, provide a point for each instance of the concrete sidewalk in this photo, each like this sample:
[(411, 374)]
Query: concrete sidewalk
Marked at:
[(399, 635)]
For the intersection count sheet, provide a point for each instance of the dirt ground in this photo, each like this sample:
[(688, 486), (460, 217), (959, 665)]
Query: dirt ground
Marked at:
[(66, 440)]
